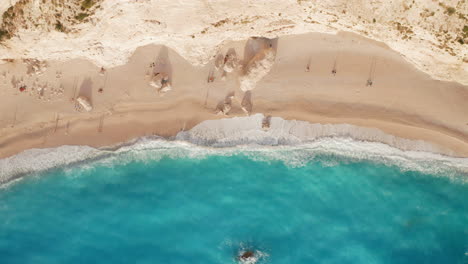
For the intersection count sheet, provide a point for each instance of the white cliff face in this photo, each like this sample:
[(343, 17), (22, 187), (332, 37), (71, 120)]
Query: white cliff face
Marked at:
[(5, 4), (426, 33)]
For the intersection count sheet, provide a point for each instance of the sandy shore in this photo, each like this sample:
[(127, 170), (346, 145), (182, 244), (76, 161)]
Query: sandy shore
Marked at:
[(401, 101)]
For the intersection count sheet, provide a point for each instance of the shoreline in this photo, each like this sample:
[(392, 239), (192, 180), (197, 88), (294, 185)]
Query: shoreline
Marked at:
[(403, 102), (51, 136), (293, 142)]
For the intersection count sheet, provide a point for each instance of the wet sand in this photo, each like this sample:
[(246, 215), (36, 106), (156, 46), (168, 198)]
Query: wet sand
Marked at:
[(401, 101)]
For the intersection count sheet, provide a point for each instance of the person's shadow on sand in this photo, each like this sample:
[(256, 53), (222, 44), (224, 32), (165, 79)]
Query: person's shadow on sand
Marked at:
[(162, 64), (86, 90), (246, 103)]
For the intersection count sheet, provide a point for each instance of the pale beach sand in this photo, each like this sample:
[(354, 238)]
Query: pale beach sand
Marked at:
[(402, 101)]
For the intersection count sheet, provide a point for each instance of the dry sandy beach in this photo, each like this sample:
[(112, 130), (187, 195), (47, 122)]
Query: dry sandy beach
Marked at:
[(315, 77)]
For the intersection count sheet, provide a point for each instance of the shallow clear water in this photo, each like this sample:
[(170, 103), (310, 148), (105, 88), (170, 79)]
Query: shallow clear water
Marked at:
[(182, 210)]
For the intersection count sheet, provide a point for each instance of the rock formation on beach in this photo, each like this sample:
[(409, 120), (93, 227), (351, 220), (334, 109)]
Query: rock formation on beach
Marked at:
[(84, 103), (257, 68), (160, 81), (225, 106), (230, 61)]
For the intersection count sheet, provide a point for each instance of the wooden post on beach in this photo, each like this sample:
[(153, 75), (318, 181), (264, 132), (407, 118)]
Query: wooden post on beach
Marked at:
[(207, 94), (370, 80), (334, 67), (57, 117), (101, 124), (68, 127), (308, 65), (211, 77), (75, 85), (209, 80)]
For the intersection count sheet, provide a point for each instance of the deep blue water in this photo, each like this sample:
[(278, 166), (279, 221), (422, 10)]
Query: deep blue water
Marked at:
[(181, 210)]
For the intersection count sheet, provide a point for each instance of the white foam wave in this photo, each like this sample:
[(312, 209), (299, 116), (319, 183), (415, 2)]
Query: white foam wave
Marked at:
[(248, 130), (293, 142), (33, 160)]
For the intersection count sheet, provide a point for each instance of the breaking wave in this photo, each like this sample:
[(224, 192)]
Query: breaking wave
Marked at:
[(293, 142)]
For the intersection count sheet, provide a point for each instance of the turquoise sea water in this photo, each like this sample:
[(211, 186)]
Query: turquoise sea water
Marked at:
[(183, 210)]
